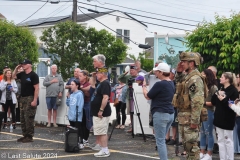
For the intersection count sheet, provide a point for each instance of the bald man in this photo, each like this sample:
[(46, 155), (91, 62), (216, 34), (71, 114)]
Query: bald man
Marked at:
[(75, 74)]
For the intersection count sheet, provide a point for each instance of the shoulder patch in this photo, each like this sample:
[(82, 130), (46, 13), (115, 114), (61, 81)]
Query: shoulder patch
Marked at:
[(192, 88)]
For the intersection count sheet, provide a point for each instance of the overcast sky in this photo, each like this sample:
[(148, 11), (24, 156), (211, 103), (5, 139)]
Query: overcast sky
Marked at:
[(17, 11)]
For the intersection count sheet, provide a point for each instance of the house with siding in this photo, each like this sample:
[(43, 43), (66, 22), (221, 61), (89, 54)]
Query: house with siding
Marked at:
[(120, 22)]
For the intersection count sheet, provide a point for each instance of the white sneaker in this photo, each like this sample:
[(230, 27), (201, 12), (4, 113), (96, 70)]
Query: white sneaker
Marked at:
[(81, 146), (85, 143), (97, 147), (207, 157), (202, 155), (102, 154)]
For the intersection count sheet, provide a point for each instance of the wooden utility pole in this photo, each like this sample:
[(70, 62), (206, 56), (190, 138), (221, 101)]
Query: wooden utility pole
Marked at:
[(74, 12)]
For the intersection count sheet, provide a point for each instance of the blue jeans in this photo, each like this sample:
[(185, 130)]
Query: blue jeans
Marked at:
[(161, 123), (207, 132), (238, 127)]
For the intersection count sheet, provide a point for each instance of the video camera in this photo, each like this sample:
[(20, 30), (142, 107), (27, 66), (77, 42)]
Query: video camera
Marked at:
[(130, 81)]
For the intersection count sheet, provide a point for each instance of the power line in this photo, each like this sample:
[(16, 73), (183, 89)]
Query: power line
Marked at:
[(56, 9), (140, 11), (45, 20), (179, 8), (201, 4), (105, 25), (185, 6), (148, 17), (34, 12), (161, 19), (139, 21)]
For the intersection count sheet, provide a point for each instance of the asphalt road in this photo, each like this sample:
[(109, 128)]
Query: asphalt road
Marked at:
[(49, 144)]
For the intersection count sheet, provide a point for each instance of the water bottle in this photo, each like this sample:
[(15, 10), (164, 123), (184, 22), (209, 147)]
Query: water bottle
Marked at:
[(11, 128), (59, 101)]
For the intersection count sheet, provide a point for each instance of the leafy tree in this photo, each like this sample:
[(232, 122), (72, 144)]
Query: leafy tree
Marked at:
[(171, 60), (146, 63), (218, 42), (17, 43), (68, 43)]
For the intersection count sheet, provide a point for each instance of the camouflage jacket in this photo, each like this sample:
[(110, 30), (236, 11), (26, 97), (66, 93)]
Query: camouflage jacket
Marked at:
[(195, 88)]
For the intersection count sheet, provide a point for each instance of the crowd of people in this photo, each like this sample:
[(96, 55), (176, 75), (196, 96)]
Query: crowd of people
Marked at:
[(183, 99)]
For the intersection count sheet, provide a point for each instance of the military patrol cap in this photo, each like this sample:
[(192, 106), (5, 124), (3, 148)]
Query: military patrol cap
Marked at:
[(191, 56)]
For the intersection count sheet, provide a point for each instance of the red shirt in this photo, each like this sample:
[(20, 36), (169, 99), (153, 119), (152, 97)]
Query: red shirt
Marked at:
[(86, 97)]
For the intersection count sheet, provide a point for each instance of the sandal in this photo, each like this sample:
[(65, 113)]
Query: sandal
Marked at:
[(122, 127), (117, 127)]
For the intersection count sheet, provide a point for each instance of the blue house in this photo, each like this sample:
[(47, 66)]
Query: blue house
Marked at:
[(168, 47)]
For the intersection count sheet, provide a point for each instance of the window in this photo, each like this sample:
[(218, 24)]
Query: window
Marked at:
[(124, 35), (42, 67), (119, 33)]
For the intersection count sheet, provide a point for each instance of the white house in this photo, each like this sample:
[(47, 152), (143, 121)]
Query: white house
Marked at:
[(121, 23)]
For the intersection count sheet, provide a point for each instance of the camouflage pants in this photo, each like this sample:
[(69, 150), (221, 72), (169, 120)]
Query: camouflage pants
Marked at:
[(189, 139), (27, 115)]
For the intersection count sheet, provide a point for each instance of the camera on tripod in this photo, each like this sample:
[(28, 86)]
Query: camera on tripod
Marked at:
[(130, 81)]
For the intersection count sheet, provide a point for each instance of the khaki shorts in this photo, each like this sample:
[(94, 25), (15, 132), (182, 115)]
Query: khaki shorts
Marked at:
[(100, 125)]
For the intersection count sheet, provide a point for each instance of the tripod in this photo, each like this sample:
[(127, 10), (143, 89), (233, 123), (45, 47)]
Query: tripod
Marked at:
[(131, 92), (177, 142), (113, 128)]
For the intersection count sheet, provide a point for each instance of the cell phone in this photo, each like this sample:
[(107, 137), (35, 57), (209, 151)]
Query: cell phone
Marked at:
[(146, 77), (230, 101)]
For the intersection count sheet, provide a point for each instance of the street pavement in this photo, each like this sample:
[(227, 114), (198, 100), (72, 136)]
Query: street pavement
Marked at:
[(49, 144)]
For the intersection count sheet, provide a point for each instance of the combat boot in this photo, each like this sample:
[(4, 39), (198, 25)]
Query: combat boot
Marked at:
[(27, 140)]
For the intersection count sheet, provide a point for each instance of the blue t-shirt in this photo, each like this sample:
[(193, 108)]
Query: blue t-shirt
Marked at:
[(161, 95)]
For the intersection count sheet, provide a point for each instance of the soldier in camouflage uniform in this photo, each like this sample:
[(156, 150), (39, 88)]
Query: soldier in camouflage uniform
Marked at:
[(28, 100), (189, 99)]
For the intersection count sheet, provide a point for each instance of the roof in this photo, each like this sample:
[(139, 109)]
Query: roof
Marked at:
[(54, 20), (128, 60), (2, 16)]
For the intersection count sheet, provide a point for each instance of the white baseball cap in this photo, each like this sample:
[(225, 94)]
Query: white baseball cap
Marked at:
[(163, 67)]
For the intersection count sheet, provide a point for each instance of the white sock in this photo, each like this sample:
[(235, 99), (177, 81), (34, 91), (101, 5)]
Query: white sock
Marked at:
[(105, 149)]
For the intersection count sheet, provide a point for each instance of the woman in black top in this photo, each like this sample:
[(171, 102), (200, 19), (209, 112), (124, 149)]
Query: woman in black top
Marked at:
[(224, 117)]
